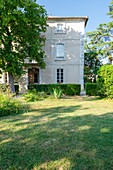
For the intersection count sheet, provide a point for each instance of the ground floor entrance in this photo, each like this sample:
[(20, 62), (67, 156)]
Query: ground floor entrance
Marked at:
[(33, 76)]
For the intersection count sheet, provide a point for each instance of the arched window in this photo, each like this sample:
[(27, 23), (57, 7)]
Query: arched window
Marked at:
[(60, 75), (60, 51)]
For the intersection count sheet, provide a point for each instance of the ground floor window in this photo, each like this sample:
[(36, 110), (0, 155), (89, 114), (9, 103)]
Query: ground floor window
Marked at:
[(6, 77), (33, 75), (60, 75)]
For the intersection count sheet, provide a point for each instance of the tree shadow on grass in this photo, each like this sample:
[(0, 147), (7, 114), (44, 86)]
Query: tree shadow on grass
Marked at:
[(58, 138), (91, 98)]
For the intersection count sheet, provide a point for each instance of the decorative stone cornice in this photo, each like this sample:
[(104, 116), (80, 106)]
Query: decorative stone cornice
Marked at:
[(59, 18)]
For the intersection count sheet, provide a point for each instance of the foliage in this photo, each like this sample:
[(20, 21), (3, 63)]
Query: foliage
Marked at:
[(10, 106), (57, 92), (98, 47), (111, 9), (91, 89), (91, 64), (72, 89), (105, 81), (100, 41), (21, 26), (33, 95), (4, 88), (67, 89)]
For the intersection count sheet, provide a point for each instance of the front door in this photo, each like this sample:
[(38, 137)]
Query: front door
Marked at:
[(33, 76)]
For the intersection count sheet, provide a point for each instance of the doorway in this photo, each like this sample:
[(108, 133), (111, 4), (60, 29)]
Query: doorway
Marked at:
[(33, 76)]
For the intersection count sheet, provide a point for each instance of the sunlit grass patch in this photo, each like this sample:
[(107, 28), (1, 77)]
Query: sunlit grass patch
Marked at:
[(57, 164), (67, 134)]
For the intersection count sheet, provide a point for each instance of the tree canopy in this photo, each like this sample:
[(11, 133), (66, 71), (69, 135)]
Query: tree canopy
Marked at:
[(99, 44), (21, 26)]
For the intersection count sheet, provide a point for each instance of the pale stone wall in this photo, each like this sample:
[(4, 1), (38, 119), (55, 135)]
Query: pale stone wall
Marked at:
[(73, 63), (2, 78)]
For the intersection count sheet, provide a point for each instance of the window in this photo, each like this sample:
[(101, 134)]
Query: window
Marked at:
[(60, 51), (6, 76), (60, 28), (60, 75)]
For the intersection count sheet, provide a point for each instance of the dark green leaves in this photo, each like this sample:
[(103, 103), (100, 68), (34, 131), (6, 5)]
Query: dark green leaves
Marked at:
[(21, 25)]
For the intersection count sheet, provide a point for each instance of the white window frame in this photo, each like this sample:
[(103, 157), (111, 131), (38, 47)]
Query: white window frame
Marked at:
[(60, 28), (60, 75), (60, 53)]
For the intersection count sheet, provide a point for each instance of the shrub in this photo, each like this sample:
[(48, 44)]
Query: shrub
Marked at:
[(73, 89), (57, 92), (42, 95), (9, 105), (33, 95), (67, 89), (4, 88), (91, 89), (105, 81)]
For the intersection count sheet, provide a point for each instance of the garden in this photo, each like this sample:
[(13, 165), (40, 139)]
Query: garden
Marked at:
[(72, 132), (53, 127)]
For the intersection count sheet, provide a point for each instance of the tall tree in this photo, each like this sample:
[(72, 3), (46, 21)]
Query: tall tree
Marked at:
[(99, 45), (101, 40), (21, 27), (110, 24), (91, 63)]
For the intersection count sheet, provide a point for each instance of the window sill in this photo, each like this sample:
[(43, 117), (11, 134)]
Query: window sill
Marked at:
[(58, 32), (60, 59)]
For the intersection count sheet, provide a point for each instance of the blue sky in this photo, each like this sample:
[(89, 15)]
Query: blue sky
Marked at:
[(96, 10)]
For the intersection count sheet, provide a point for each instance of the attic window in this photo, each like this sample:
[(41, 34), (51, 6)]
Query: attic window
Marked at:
[(60, 28)]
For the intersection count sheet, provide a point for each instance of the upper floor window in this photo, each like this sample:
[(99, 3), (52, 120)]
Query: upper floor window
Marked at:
[(60, 28), (60, 51)]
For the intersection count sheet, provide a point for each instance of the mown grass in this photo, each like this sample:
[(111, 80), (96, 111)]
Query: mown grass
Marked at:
[(67, 134)]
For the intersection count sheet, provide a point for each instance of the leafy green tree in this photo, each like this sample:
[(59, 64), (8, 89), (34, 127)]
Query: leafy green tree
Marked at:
[(21, 26), (99, 45), (100, 41), (91, 65), (105, 81)]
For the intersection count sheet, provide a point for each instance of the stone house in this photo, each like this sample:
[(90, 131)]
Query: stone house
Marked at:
[(64, 49)]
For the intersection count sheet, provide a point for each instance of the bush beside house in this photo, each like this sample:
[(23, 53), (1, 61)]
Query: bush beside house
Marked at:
[(67, 89), (91, 89), (105, 81), (104, 85)]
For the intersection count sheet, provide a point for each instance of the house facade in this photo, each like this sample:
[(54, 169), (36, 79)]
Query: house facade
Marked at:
[(64, 49)]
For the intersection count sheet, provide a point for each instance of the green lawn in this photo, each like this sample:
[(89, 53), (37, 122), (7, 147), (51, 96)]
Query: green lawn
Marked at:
[(68, 134)]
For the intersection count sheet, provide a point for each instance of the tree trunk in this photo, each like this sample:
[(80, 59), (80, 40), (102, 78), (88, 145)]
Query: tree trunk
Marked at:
[(11, 82)]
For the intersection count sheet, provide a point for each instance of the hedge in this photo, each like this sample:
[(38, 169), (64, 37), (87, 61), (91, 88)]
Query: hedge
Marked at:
[(105, 81), (68, 89), (91, 89)]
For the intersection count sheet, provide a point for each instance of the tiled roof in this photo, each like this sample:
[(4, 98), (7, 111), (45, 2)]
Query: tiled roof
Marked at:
[(62, 18)]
